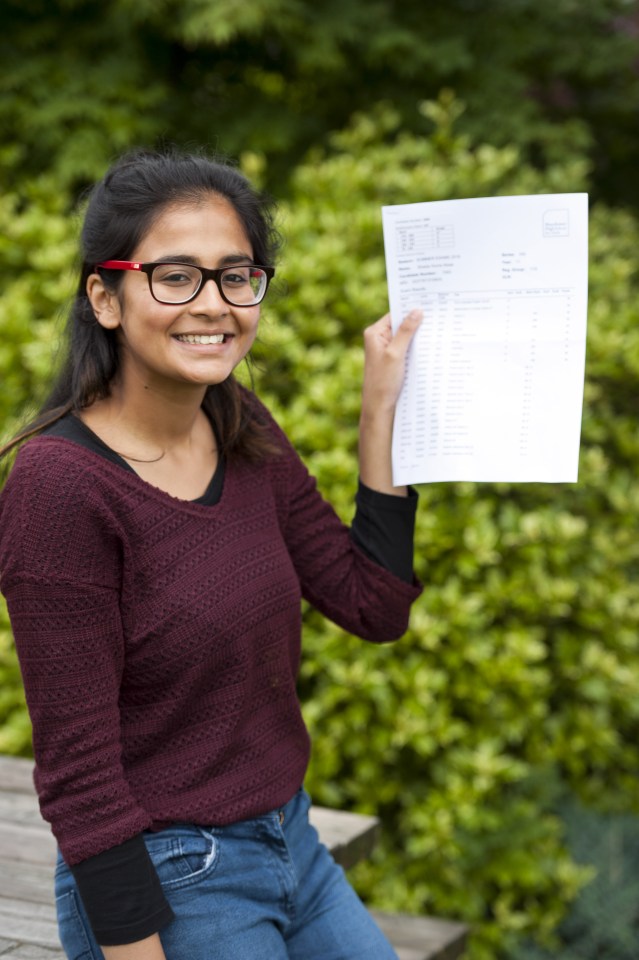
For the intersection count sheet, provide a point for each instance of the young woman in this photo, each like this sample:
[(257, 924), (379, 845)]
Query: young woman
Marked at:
[(157, 533)]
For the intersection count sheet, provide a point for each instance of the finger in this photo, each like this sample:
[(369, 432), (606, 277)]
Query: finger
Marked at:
[(409, 325), (383, 325)]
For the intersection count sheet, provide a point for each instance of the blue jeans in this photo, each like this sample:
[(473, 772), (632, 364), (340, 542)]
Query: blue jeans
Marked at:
[(263, 889)]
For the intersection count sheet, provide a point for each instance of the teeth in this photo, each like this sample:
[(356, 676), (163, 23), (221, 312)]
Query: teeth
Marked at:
[(191, 338)]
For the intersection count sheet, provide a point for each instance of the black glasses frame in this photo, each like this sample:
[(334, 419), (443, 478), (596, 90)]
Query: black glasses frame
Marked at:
[(206, 274)]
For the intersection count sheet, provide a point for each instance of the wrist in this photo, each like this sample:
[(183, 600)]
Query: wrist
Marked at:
[(377, 411)]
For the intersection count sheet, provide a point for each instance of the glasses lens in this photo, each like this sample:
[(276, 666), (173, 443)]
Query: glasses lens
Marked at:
[(243, 285), (175, 282)]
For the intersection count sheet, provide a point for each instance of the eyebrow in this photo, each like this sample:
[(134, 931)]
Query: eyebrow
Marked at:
[(227, 261)]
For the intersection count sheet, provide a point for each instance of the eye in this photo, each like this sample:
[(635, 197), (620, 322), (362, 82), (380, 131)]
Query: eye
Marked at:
[(175, 275), (237, 276)]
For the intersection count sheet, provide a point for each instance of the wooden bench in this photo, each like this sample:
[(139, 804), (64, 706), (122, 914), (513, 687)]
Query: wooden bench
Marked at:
[(28, 929)]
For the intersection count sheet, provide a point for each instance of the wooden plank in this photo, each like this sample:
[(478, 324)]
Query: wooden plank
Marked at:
[(16, 774), (27, 844), (29, 922), (350, 837), (24, 837), (21, 808), (41, 911), (26, 881), (30, 951), (423, 938)]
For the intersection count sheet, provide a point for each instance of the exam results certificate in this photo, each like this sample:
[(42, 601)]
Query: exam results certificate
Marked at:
[(494, 378)]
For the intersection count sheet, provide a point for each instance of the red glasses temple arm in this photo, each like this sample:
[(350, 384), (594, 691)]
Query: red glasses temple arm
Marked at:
[(119, 265)]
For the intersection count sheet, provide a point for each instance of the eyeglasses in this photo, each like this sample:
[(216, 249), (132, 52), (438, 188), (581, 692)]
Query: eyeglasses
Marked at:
[(243, 285)]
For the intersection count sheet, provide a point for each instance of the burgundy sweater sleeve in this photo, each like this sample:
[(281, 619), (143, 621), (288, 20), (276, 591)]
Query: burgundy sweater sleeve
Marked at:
[(60, 564), (336, 576), (60, 573)]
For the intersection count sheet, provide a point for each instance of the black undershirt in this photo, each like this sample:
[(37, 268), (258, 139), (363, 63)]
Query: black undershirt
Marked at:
[(119, 887)]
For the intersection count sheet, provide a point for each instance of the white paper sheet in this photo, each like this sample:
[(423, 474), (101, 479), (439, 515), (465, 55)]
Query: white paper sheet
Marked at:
[(494, 377)]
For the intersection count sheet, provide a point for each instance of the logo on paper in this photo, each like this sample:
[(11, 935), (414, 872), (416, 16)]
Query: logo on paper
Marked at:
[(556, 223)]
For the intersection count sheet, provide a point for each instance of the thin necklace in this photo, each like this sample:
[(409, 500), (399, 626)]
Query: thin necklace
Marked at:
[(139, 459)]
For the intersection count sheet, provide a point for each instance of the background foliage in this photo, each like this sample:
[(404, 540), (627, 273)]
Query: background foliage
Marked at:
[(519, 677), (516, 687), (82, 79), (604, 921)]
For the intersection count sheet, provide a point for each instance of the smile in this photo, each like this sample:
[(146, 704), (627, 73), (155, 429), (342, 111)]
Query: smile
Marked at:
[(196, 338)]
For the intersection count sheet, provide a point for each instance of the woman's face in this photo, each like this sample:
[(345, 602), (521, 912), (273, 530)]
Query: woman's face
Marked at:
[(153, 336)]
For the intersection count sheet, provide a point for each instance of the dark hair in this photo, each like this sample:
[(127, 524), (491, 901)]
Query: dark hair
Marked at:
[(122, 208)]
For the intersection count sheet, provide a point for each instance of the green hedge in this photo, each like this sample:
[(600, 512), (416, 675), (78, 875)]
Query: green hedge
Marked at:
[(604, 920), (520, 668), (520, 671)]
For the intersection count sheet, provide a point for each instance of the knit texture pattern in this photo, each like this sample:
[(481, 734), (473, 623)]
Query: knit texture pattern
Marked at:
[(159, 639)]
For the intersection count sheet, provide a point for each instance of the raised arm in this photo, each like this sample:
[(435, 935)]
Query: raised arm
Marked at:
[(384, 364)]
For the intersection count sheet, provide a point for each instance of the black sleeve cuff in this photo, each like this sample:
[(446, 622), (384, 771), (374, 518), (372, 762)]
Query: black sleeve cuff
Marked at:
[(384, 527), (121, 893)]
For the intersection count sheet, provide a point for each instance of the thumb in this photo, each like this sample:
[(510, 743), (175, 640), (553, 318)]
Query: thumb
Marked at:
[(408, 327)]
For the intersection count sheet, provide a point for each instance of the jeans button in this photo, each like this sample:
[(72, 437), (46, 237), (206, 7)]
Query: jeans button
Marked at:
[(281, 817)]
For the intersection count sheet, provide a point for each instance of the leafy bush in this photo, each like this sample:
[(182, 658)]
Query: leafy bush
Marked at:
[(520, 669), (279, 75), (604, 920), (521, 663)]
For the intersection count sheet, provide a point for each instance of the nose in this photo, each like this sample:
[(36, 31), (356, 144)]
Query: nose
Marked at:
[(210, 298)]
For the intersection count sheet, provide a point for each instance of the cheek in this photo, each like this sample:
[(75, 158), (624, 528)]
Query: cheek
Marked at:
[(251, 325)]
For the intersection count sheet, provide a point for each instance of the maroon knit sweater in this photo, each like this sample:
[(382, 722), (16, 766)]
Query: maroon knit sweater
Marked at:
[(159, 639)]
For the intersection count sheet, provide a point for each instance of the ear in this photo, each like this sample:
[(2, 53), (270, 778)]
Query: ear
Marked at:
[(106, 305)]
